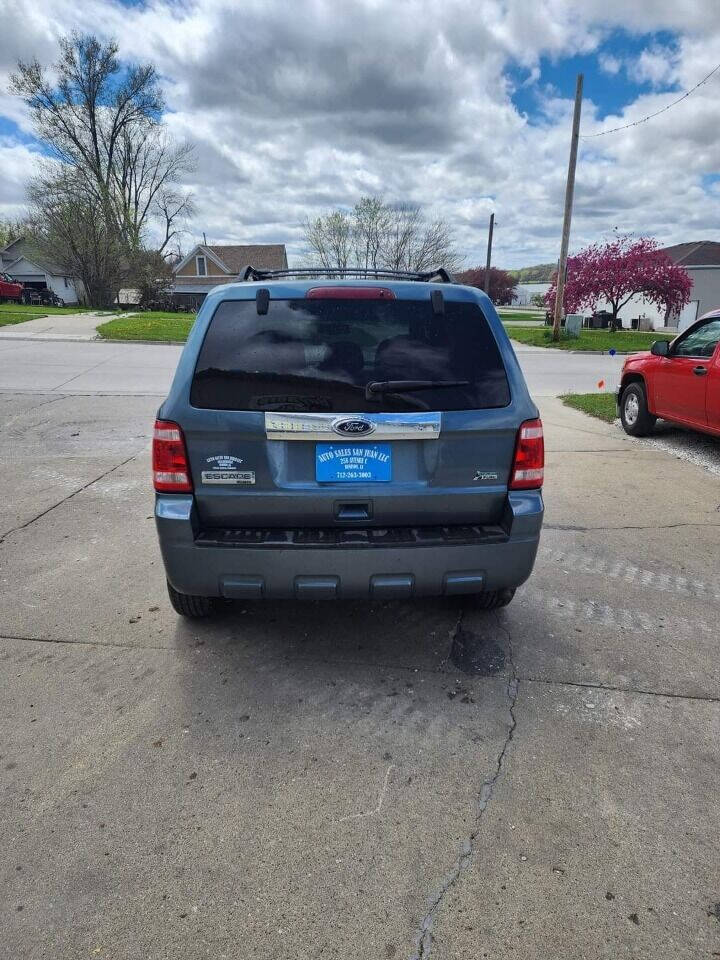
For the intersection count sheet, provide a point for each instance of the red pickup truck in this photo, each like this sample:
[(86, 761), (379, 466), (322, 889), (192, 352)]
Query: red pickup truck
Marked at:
[(10, 289), (677, 380)]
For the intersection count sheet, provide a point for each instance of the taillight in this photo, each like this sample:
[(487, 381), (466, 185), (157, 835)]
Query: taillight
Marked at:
[(171, 470), (350, 293), (529, 463)]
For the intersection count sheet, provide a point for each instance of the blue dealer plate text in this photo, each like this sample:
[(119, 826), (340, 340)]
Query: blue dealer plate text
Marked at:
[(350, 463)]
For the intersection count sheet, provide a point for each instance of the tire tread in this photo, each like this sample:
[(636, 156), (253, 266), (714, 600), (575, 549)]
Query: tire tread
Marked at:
[(189, 605), (645, 422), (494, 599)]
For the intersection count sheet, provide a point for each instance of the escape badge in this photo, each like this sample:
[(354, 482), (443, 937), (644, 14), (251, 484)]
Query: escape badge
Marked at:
[(225, 471)]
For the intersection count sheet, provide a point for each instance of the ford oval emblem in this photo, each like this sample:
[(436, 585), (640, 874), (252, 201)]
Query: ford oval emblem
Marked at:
[(353, 427)]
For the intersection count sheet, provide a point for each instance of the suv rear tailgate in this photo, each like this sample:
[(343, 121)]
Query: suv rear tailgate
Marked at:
[(272, 394)]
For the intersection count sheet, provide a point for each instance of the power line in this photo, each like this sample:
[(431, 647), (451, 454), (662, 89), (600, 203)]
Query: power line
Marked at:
[(636, 123)]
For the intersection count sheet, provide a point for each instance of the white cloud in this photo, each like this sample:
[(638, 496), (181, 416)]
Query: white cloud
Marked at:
[(609, 64), (295, 109), (657, 66)]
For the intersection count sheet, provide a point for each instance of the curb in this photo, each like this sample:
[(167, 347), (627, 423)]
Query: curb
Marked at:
[(67, 338), (599, 353), (582, 353), (162, 343)]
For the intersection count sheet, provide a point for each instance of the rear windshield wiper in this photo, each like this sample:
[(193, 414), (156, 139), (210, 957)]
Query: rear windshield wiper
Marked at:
[(403, 386)]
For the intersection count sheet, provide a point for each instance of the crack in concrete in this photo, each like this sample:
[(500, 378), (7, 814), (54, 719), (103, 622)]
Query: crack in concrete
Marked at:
[(487, 789), (545, 681), (639, 691), (74, 493), (82, 373), (19, 416), (651, 526), (61, 641)]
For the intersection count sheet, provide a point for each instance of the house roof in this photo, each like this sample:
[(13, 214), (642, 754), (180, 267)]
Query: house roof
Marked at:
[(700, 253), (266, 256), (9, 257), (234, 257)]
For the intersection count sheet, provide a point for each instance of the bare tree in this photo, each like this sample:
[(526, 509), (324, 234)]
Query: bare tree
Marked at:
[(112, 157), (67, 225), (370, 225), (329, 240), (412, 244), (145, 178), (376, 235)]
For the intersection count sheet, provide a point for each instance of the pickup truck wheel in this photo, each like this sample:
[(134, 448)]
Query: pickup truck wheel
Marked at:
[(188, 605), (635, 417), (493, 599)]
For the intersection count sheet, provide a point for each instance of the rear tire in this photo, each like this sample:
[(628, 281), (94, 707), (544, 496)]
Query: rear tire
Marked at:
[(635, 417), (493, 599), (189, 605)]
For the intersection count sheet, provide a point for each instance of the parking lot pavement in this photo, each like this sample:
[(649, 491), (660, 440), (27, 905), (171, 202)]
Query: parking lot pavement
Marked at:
[(385, 780), (147, 369)]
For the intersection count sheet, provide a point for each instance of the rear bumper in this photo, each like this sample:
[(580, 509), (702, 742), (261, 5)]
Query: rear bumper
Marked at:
[(241, 571)]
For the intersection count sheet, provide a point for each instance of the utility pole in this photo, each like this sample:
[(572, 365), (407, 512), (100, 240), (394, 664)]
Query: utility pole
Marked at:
[(489, 254), (569, 192)]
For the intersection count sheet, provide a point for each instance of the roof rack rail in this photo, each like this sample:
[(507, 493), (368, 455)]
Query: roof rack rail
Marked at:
[(440, 275)]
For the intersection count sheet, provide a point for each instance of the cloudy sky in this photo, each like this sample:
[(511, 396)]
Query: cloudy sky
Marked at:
[(463, 106)]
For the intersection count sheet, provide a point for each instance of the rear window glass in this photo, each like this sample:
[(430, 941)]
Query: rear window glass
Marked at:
[(319, 355)]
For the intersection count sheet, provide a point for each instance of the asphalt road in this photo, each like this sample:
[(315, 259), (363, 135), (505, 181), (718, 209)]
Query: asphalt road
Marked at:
[(58, 366), (350, 780)]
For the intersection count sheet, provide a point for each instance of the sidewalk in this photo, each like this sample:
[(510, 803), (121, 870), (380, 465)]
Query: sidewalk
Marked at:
[(69, 326)]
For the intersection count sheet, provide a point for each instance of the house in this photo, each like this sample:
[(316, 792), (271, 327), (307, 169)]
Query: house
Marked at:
[(701, 259), (24, 264), (207, 265), (525, 291)]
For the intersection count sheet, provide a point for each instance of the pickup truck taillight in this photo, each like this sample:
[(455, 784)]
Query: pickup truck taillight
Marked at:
[(171, 470), (529, 463)]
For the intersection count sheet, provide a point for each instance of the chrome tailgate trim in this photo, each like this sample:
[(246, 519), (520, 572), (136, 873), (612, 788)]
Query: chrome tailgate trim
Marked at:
[(323, 426)]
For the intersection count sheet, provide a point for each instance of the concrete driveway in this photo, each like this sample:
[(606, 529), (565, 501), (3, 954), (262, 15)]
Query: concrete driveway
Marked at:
[(343, 780)]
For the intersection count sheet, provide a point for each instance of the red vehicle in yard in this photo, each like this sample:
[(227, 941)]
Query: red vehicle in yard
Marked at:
[(678, 380), (10, 289)]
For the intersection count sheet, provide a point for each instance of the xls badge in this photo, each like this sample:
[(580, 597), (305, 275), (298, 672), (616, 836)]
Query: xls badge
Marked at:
[(484, 475)]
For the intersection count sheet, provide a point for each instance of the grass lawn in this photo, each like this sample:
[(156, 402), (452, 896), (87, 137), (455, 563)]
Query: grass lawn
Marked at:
[(520, 315), (148, 326), (29, 311), (601, 405), (520, 325), (596, 340)]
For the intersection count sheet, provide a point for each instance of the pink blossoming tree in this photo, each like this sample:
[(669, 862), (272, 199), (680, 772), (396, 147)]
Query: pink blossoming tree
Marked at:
[(616, 271)]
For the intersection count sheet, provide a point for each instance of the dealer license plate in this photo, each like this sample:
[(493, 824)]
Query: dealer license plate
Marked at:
[(349, 463)]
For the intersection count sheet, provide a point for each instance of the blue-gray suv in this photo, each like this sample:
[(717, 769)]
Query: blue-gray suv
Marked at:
[(332, 436)]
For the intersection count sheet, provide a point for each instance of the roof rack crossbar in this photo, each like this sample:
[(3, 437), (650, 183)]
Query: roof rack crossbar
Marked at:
[(440, 275)]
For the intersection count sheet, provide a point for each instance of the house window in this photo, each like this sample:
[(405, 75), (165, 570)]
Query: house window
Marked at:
[(201, 266)]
